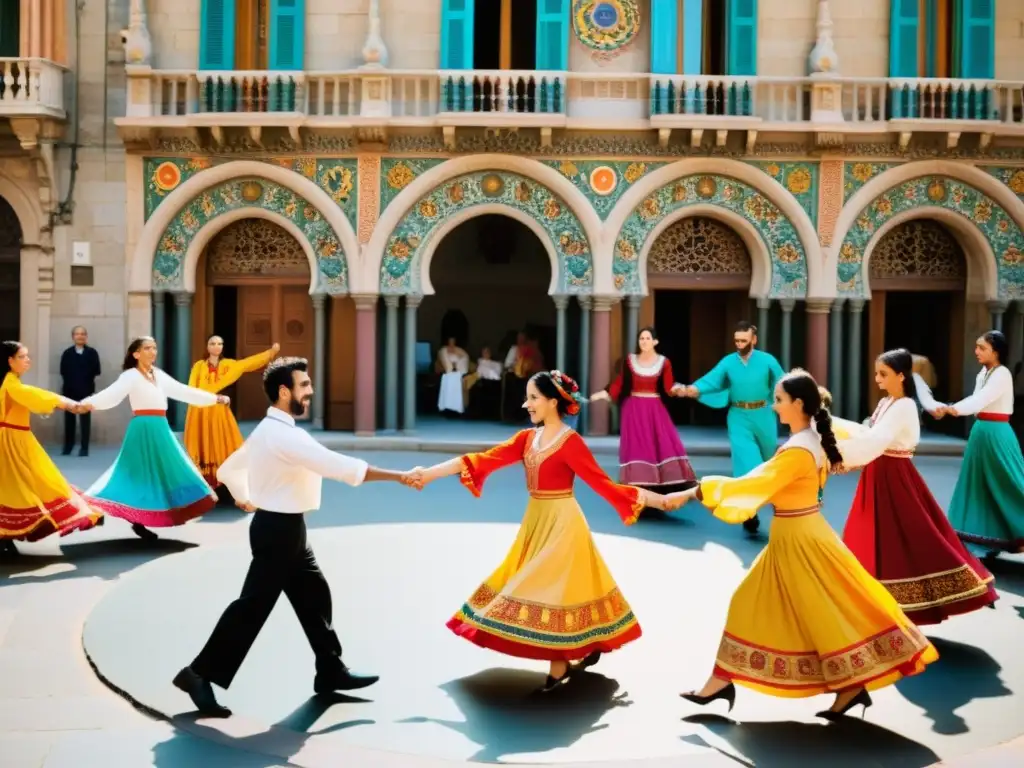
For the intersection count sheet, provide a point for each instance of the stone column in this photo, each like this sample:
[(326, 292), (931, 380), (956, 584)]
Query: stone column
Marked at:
[(366, 363), (561, 303), (600, 359), (409, 386), (998, 309), (182, 349), (319, 358), (159, 322), (855, 375), (391, 362), (632, 322), (763, 306), (787, 333), (835, 363), (1015, 334), (584, 372), (817, 339)]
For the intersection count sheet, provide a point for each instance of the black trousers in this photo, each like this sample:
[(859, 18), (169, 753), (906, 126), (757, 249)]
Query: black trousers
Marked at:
[(69, 429), (281, 562)]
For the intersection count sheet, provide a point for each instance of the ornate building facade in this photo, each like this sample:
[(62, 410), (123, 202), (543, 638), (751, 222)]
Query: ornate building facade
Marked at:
[(358, 181)]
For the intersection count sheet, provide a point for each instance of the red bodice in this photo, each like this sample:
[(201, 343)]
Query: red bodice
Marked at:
[(550, 472), (644, 384)]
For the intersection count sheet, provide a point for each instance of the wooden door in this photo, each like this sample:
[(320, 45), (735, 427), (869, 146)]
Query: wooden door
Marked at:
[(256, 333)]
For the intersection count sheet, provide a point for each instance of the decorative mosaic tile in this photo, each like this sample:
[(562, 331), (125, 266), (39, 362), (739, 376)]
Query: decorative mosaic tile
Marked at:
[(857, 174), (801, 179), (789, 261), (1002, 233), (396, 173), (400, 269), (240, 193), (1011, 177), (603, 182), (336, 176)]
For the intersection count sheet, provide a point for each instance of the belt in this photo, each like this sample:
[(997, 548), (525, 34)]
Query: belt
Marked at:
[(994, 416), (548, 495), (899, 454), (149, 413), (752, 405), (5, 425), (797, 512), (644, 394)]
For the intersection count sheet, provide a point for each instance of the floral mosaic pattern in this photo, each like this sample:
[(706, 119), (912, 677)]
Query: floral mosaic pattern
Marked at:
[(856, 175), (1011, 177), (603, 182), (1002, 233), (801, 179), (789, 260), (400, 269), (241, 193), (396, 173), (336, 176)]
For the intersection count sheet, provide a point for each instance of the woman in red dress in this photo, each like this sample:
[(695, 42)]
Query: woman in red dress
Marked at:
[(896, 528)]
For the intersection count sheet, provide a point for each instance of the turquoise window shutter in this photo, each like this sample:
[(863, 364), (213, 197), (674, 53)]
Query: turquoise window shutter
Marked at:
[(10, 25), (217, 34), (664, 36), (904, 20), (457, 34), (553, 35), (287, 33), (741, 37), (977, 32)]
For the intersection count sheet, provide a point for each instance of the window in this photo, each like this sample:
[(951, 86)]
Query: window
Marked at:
[(505, 34), (942, 38), (252, 20), (252, 34), (704, 37), (10, 27)]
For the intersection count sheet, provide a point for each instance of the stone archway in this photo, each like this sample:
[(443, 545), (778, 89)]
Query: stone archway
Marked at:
[(408, 248)]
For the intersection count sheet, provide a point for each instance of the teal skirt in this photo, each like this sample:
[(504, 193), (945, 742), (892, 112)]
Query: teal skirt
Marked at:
[(153, 482), (988, 501)]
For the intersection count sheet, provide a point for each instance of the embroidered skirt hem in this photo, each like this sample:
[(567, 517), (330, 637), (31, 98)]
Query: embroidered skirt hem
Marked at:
[(522, 648)]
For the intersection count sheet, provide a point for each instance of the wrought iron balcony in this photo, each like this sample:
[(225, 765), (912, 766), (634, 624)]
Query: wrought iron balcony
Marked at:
[(31, 88)]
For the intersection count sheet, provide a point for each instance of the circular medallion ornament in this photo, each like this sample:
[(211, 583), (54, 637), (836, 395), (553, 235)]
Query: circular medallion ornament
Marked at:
[(492, 185), (706, 187), (603, 180), (166, 176), (605, 25), (252, 191), (937, 191)]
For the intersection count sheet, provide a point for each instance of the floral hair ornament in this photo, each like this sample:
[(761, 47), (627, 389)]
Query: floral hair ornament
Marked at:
[(568, 389)]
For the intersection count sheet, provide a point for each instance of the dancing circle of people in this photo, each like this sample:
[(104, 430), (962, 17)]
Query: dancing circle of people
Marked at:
[(845, 610)]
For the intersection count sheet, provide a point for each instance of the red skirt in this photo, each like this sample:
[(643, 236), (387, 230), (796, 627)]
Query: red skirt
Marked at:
[(902, 537)]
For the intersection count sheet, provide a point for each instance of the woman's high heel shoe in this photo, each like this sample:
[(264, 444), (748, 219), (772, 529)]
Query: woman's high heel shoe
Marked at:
[(728, 693), (862, 698), (551, 683), (589, 661)]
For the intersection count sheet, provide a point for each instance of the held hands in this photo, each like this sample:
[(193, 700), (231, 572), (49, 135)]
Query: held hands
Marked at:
[(944, 410), (414, 478), (674, 501), (223, 400)]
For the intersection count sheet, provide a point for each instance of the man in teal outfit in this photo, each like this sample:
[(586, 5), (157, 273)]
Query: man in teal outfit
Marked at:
[(745, 383)]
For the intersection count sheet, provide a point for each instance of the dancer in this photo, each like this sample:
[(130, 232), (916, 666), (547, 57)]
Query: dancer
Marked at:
[(35, 500), (553, 569), (896, 528), (807, 619), (153, 482), (277, 475), (988, 501), (651, 455), (211, 434), (744, 383)]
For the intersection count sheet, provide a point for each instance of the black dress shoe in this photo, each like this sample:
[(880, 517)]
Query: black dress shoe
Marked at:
[(8, 550), (83, 452), (345, 680), (201, 693), (66, 452)]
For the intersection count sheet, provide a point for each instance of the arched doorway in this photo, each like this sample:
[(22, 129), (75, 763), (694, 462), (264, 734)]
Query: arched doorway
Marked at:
[(918, 270), (10, 272), (490, 276), (698, 276), (252, 289)]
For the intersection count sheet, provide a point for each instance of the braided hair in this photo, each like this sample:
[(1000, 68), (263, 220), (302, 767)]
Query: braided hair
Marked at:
[(556, 385), (800, 385)]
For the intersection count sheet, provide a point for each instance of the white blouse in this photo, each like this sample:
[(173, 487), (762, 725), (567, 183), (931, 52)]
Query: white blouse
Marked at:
[(924, 394), (454, 362), (144, 395), (895, 427), (993, 393)]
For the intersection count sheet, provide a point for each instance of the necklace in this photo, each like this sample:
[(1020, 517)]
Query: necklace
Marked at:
[(148, 375)]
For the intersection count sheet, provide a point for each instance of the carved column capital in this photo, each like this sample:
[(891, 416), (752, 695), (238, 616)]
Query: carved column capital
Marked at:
[(413, 300), (391, 300), (182, 298), (365, 301), (764, 303), (319, 300), (561, 301), (819, 306), (788, 305), (856, 305), (605, 303)]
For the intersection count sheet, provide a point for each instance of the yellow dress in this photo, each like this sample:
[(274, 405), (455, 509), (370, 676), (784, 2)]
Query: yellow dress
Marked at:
[(211, 434), (35, 499), (807, 619)]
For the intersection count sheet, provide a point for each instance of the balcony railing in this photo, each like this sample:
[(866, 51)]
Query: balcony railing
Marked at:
[(31, 88), (582, 100)]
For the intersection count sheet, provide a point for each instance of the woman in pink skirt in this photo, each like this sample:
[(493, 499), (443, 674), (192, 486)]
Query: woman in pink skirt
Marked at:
[(651, 455)]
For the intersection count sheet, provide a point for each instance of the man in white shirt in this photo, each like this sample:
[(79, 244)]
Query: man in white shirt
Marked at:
[(277, 475)]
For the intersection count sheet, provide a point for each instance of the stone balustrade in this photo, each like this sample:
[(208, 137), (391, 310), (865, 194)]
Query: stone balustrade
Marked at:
[(769, 99), (31, 87)]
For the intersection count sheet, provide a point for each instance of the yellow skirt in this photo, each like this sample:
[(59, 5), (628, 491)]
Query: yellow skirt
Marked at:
[(35, 499), (808, 619), (211, 435), (552, 598)]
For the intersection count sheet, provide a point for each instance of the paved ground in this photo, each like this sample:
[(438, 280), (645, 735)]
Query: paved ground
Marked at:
[(55, 713)]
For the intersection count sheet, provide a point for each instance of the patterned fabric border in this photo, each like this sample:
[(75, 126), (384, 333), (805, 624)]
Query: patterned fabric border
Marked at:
[(937, 589)]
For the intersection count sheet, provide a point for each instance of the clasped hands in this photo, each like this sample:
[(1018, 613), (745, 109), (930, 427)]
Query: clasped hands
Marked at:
[(684, 390), (414, 478), (73, 406), (944, 410), (667, 502)]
